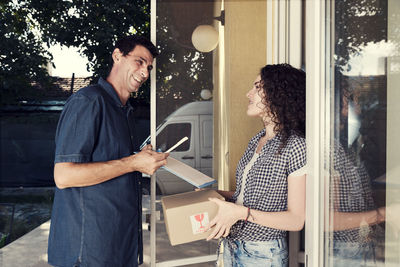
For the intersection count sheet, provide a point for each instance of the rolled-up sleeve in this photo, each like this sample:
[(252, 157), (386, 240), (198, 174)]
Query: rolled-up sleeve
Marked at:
[(77, 130)]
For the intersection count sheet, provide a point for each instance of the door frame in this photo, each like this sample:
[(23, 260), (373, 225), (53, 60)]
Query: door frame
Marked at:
[(316, 132)]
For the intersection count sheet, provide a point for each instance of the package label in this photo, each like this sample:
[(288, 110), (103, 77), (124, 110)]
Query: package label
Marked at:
[(199, 222)]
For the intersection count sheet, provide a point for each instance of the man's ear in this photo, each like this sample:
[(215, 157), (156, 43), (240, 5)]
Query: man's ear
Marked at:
[(116, 55)]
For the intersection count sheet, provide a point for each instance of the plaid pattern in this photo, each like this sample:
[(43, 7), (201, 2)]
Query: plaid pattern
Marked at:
[(266, 183), (350, 192)]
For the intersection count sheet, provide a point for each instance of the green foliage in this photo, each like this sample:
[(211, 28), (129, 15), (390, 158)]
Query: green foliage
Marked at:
[(357, 22), (92, 26), (29, 27), (22, 57), (182, 71)]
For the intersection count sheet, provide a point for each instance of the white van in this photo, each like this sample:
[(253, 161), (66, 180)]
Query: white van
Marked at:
[(194, 120)]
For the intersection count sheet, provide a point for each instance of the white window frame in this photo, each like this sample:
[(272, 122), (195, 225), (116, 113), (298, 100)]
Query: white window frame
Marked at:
[(317, 130), (153, 126), (284, 19)]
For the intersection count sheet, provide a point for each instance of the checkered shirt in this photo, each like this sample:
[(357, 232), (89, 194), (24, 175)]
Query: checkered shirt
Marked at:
[(266, 184), (350, 192)]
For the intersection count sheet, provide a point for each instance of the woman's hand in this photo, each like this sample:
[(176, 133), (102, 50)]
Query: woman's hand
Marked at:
[(228, 214)]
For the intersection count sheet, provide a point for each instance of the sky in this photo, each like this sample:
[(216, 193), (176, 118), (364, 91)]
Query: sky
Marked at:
[(68, 61), (371, 60)]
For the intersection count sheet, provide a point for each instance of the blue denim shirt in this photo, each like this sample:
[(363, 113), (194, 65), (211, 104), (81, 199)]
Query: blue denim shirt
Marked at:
[(97, 225)]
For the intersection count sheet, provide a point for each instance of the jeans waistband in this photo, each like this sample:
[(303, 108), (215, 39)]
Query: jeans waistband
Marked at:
[(280, 243)]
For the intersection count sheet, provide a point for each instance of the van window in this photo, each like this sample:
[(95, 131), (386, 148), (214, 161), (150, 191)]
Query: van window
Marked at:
[(171, 134)]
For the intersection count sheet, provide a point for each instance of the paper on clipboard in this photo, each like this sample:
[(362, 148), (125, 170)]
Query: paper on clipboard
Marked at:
[(188, 173)]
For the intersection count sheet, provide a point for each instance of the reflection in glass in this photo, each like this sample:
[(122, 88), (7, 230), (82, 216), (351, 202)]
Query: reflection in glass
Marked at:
[(172, 134), (357, 230), (184, 89)]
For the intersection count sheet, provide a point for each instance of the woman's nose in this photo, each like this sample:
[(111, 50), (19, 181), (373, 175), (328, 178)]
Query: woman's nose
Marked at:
[(249, 93)]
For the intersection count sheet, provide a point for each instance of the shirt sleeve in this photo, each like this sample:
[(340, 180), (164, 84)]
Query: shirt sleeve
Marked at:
[(299, 172), (77, 130), (297, 159)]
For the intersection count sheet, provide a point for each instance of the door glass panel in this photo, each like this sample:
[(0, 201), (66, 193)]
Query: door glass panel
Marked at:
[(170, 135), (184, 86), (362, 223)]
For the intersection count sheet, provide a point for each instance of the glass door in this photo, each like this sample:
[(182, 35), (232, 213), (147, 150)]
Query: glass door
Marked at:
[(182, 106), (360, 177)]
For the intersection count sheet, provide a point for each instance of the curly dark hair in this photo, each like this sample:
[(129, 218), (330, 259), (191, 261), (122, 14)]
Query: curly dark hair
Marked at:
[(284, 90)]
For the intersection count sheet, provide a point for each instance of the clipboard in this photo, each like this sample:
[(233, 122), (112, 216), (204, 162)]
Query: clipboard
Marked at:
[(187, 173)]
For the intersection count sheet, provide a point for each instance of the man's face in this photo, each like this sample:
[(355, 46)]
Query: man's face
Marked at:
[(134, 68)]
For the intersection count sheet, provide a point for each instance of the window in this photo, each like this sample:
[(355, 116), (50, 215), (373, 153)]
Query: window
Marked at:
[(357, 177)]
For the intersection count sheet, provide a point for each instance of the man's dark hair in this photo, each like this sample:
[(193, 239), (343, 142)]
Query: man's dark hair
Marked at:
[(128, 43)]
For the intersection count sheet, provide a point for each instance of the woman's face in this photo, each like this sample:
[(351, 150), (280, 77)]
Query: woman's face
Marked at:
[(256, 106)]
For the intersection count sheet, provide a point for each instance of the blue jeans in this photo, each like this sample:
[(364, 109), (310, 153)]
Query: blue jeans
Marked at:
[(272, 253), (347, 254)]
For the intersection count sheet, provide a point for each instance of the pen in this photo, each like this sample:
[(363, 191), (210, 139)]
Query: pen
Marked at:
[(173, 147), (146, 142), (177, 144)]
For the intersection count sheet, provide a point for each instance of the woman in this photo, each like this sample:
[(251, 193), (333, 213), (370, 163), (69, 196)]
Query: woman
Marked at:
[(270, 178)]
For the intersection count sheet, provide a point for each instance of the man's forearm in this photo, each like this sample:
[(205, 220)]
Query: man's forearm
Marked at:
[(68, 174)]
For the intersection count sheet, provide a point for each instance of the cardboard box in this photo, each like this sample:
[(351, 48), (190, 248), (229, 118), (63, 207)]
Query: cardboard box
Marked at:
[(187, 214)]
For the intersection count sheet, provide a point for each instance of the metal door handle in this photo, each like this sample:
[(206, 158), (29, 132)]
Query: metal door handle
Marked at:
[(187, 157)]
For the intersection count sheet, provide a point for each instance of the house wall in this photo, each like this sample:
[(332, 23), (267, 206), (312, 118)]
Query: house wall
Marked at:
[(245, 38)]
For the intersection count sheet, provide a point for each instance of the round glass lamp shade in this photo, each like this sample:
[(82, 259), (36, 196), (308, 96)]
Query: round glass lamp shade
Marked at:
[(205, 38), (205, 94)]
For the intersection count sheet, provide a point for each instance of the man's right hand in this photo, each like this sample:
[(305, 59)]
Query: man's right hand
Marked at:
[(147, 161)]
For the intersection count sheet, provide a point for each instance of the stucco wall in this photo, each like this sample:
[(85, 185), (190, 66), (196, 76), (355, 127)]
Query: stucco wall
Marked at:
[(245, 53)]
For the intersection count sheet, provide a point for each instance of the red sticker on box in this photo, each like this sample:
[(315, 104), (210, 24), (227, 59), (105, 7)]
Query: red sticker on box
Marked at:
[(199, 222)]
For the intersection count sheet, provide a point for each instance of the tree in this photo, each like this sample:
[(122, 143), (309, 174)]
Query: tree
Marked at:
[(182, 71), (22, 56), (356, 24), (31, 26), (92, 26)]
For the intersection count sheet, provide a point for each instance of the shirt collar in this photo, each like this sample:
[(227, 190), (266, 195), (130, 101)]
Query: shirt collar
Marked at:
[(256, 138), (111, 91)]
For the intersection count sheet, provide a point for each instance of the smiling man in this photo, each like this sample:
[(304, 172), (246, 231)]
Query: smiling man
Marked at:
[(96, 217)]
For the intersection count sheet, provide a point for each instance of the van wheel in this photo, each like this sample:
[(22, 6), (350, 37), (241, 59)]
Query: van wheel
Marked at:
[(146, 187)]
